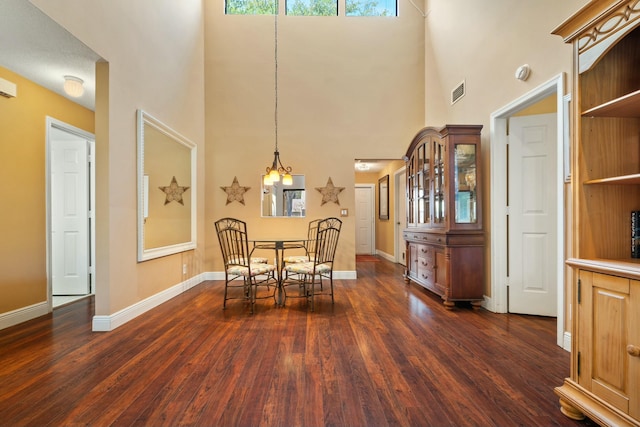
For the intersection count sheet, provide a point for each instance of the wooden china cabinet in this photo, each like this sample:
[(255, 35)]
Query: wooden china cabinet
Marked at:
[(444, 234), (604, 382)]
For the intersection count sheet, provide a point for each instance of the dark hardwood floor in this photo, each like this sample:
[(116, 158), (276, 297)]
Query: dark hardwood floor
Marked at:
[(386, 354)]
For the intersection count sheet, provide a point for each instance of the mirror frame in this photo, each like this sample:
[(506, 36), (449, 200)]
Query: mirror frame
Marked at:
[(383, 198), (284, 188), (144, 254)]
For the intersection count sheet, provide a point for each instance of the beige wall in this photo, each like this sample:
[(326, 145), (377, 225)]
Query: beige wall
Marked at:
[(23, 271), (156, 63), (484, 46), (348, 88)]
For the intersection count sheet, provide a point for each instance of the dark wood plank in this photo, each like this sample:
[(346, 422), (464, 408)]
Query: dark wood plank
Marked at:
[(386, 354)]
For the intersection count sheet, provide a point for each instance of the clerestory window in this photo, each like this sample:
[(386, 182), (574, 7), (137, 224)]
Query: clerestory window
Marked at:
[(313, 7)]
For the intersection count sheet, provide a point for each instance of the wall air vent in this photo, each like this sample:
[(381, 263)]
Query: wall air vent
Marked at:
[(7, 89), (458, 92)]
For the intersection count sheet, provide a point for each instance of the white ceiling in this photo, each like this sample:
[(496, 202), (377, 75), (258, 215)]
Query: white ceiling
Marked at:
[(37, 48)]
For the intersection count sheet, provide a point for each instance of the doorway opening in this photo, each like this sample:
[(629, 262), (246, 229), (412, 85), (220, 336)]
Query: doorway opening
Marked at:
[(70, 205), (379, 228), (501, 214), (365, 225)]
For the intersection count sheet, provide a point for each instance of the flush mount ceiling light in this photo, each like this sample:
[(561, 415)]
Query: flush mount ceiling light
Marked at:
[(73, 86), (362, 166)]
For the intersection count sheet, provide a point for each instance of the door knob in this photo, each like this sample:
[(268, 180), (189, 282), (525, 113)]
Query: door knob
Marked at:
[(633, 350)]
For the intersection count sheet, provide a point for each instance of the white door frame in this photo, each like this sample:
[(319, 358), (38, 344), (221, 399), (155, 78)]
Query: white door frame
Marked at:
[(498, 153), (372, 214), (57, 124), (399, 198)]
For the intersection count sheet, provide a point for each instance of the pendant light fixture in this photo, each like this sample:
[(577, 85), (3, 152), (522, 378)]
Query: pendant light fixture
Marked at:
[(277, 170)]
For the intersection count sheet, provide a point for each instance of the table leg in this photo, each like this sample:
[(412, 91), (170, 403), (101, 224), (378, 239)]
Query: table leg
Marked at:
[(280, 294)]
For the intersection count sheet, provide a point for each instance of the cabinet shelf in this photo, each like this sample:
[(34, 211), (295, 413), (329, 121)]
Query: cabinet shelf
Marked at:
[(628, 267), (625, 106), (605, 293), (625, 179)]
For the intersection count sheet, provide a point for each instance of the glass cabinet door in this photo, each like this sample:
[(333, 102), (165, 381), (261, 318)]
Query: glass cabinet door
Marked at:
[(425, 184), (465, 183), (411, 183), (439, 182)]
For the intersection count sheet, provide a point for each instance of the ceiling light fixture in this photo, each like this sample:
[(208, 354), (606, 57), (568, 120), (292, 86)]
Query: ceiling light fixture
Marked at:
[(362, 166), (73, 86), (276, 169)]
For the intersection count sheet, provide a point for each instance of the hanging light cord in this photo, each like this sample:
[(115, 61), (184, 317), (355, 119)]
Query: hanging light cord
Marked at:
[(277, 169), (275, 53)]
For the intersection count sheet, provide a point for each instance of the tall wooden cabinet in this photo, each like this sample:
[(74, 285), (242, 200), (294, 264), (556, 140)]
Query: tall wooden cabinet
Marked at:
[(444, 235), (604, 383)]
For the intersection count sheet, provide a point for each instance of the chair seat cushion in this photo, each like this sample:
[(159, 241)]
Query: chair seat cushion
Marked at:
[(254, 260), (296, 259), (307, 268), (253, 270)]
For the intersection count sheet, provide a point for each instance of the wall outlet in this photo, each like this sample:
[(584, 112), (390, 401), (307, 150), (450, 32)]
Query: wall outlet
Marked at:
[(184, 268)]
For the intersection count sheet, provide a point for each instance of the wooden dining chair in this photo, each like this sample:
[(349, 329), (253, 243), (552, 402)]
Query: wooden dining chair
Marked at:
[(241, 270), (309, 275)]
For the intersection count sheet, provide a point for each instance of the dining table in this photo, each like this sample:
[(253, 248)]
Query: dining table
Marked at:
[(279, 246)]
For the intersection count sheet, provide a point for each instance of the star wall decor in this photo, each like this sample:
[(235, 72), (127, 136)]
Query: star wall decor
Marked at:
[(330, 192), (174, 192), (235, 193)]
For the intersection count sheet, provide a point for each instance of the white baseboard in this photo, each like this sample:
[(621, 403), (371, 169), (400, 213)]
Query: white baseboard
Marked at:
[(345, 275), (23, 314), (566, 342), (214, 275), (487, 304), (386, 256), (112, 321)]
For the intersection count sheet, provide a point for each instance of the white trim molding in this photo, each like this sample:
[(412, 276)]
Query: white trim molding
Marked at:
[(566, 342), (388, 257), (23, 314), (110, 322), (498, 302)]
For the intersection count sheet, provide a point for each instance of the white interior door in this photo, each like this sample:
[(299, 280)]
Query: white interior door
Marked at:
[(365, 195), (70, 252), (532, 215), (401, 216)]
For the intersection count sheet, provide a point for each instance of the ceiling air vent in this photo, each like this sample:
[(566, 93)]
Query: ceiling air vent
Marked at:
[(457, 93)]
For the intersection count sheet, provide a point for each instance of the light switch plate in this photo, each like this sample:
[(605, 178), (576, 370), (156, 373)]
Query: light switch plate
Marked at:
[(344, 212)]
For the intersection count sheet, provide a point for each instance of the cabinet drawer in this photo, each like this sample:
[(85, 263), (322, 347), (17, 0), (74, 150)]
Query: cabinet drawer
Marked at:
[(611, 283), (434, 238), (426, 263), (426, 253)]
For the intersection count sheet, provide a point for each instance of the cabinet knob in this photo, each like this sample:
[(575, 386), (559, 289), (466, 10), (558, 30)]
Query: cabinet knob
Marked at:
[(633, 350)]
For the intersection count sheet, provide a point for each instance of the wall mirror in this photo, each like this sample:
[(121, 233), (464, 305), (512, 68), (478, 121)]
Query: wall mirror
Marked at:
[(166, 190), (284, 200)]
